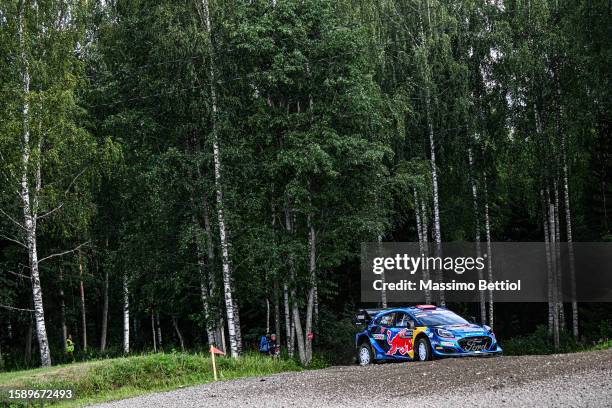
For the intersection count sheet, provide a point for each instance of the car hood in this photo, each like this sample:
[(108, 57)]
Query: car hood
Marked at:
[(461, 330)]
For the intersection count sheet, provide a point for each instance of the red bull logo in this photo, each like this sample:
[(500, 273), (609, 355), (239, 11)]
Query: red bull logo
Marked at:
[(401, 342)]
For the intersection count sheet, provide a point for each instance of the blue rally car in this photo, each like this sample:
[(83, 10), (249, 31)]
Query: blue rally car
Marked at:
[(420, 333)]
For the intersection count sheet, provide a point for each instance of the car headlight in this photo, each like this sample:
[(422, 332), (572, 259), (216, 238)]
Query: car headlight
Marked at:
[(444, 333)]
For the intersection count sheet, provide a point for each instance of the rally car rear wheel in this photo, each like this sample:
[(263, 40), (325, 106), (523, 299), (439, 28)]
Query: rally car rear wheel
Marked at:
[(423, 349), (364, 354)]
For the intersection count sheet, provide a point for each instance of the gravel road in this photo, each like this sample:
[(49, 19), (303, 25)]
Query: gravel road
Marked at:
[(563, 380)]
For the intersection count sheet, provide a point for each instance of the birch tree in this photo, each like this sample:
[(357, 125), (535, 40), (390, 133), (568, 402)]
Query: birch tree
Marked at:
[(44, 150), (566, 202), (126, 315), (30, 198), (481, 295), (555, 276), (312, 268), (489, 252), (83, 308), (425, 71), (104, 330), (233, 328)]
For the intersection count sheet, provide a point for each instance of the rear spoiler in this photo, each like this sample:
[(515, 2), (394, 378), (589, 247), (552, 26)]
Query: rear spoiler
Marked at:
[(365, 316)]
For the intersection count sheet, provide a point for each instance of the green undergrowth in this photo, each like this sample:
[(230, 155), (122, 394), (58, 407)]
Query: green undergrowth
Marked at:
[(540, 342), (118, 378)]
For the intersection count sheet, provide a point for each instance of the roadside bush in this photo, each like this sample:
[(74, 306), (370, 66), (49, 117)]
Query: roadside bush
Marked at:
[(336, 337), (539, 342)]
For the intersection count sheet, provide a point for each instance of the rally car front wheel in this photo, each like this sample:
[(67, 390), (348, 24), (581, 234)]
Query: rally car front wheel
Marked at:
[(423, 349), (364, 354)]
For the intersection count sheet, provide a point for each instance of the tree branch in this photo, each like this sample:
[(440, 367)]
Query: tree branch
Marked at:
[(63, 253), (40, 217), (16, 308), (21, 275), (74, 180), (65, 192), (12, 219), (13, 240)]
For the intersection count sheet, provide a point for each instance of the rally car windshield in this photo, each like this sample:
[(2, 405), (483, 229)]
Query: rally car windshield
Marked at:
[(440, 318)]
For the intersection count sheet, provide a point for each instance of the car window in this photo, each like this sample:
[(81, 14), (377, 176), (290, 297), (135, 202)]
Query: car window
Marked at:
[(440, 318), (403, 320), (386, 320)]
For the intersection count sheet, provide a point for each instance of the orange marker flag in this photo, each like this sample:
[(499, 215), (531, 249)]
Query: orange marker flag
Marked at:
[(213, 351)]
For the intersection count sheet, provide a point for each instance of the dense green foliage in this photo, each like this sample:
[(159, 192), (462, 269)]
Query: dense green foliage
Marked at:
[(539, 342), (128, 376), (325, 113)]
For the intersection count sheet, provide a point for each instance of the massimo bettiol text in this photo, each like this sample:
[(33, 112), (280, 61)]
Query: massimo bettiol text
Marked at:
[(511, 271)]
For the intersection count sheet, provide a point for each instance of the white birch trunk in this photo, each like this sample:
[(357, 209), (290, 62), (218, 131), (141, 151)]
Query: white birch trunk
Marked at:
[(212, 286), (277, 323), (489, 252), (561, 306), (214, 325), (225, 257), (296, 321), (62, 309), (223, 342), (288, 326), (312, 268), (436, 208), (481, 294), (178, 333), (316, 305), (549, 275), (568, 213), (425, 236), (83, 309), (553, 239), (297, 324), (570, 240), (159, 332), (421, 231), (434, 183), (267, 316), (277, 318), (126, 315), (203, 289), (30, 209), (383, 292), (437, 235), (103, 334), (292, 339), (419, 225), (153, 331), (209, 246)]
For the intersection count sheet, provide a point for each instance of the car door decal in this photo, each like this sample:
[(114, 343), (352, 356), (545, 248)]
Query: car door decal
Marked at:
[(415, 333), (378, 334), (400, 343)]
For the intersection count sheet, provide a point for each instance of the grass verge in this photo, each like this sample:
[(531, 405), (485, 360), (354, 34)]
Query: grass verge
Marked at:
[(118, 378)]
